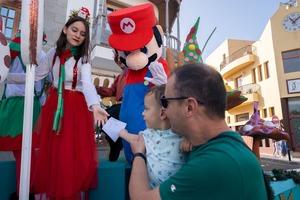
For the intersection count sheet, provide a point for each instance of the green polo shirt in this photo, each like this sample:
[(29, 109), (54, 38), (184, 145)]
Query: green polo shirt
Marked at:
[(221, 169)]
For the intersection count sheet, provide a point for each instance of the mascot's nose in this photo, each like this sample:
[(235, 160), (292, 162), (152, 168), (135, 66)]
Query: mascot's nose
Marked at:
[(136, 60)]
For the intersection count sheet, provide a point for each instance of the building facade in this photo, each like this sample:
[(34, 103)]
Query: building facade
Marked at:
[(267, 71)]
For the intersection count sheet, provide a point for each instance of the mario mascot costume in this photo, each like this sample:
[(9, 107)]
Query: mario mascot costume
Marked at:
[(138, 40)]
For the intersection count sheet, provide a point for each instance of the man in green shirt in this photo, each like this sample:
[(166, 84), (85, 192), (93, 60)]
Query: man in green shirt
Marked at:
[(220, 166)]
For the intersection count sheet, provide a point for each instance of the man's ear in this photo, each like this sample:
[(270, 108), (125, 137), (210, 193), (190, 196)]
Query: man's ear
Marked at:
[(191, 106)]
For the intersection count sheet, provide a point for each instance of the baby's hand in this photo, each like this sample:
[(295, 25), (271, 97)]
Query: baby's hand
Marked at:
[(123, 133), (186, 146), (129, 137)]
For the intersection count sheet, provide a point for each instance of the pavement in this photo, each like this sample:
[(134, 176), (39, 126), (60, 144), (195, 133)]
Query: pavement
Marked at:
[(268, 162)]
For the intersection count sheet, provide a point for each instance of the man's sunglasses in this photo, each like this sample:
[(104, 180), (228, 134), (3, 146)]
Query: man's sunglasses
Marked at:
[(165, 100)]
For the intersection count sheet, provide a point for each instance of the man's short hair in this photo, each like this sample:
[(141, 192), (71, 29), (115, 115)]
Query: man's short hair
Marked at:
[(203, 83)]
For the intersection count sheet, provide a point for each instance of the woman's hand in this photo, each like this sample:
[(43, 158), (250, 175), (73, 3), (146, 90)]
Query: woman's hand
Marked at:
[(100, 115)]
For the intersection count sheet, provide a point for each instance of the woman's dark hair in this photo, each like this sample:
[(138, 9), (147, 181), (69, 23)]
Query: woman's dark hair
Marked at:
[(83, 49)]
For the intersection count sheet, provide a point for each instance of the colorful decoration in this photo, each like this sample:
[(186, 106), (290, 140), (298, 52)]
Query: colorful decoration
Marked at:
[(234, 97), (83, 13), (32, 18), (191, 51), (260, 129)]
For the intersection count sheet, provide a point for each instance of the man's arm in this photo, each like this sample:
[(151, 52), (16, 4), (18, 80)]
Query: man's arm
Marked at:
[(139, 182)]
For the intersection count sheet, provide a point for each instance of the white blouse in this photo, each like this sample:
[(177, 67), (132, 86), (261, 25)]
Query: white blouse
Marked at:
[(84, 76)]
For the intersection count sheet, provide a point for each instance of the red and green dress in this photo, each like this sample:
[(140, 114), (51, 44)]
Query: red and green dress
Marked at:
[(12, 104), (67, 160)]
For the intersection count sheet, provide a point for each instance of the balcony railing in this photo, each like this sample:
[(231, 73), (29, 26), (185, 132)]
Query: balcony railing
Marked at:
[(100, 31), (174, 42), (249, 88), (249, 49)]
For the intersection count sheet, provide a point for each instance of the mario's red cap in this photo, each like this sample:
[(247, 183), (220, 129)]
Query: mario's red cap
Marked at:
[(131, 27)]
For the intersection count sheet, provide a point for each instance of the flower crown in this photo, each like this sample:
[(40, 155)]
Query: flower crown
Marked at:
[(83, 13)]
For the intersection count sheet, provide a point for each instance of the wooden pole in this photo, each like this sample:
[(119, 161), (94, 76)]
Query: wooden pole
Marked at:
[(255, 146)]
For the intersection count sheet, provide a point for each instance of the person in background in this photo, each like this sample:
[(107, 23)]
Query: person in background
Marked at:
[(12, 107), (115, 90)]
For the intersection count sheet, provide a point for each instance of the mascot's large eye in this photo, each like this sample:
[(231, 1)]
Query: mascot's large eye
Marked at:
[(144, 50), (126, 53)]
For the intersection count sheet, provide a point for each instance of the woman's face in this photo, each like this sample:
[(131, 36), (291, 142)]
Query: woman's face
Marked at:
[(75, 33)]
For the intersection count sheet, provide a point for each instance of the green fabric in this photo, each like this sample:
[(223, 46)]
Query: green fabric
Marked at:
[(11, 115), (60, 102), (221, 169), (14, 46)]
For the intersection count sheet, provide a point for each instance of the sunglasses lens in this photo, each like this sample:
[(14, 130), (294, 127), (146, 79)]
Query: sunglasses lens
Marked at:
[(164, 102)]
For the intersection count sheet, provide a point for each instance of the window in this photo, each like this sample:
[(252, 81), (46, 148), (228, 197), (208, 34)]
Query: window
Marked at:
[(271, 112), (238, 82), (294, 106), (259, 73), (228, 119), (253, 74), (266, 70), (264, 113), (260, 143), (8, 17), (291, 61), (242, 117), (267, 142)]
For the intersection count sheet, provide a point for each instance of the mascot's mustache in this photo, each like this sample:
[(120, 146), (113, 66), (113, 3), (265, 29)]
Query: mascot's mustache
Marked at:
[(151, 59)]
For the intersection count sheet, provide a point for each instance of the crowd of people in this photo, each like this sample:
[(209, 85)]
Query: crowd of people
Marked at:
[(187, 150)]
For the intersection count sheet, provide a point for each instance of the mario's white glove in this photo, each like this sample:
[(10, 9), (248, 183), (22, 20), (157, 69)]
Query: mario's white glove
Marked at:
[(158, 73)]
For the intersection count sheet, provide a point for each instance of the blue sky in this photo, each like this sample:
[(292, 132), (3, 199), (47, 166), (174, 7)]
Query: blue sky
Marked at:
[(236, 19)]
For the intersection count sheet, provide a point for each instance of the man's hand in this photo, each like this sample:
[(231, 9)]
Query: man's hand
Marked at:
[(138, 145), (158, 74)]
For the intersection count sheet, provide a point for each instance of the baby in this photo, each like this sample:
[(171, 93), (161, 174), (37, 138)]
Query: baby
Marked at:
[(163, 147)]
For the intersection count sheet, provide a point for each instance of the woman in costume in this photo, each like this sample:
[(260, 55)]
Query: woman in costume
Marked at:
[(66, 161)]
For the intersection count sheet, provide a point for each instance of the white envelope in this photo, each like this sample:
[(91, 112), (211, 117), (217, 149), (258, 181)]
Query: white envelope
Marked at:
[(113, 127)]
